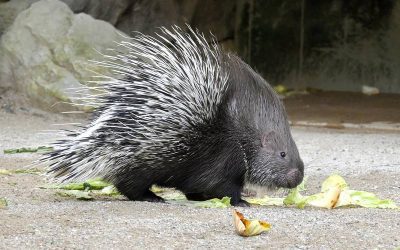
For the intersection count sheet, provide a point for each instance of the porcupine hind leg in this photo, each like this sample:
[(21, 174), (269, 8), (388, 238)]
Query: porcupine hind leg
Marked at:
[(135, 187), (137, 194)]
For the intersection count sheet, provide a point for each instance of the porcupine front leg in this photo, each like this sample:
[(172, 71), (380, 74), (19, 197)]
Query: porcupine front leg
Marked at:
[(233, 191), (229, 181), (136, 187)]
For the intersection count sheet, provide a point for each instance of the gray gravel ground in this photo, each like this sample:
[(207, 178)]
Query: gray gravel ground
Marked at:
[(38, 219)]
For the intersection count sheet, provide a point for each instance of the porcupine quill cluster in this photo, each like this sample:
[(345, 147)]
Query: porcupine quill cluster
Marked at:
[(182, 114)]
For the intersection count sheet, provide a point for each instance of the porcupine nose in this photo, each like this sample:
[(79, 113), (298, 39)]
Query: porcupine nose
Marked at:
[(295, 176)]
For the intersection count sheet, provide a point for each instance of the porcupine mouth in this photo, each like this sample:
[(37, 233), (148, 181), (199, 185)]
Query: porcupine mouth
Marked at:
[(278, 181), (290, 180), (277, 187)]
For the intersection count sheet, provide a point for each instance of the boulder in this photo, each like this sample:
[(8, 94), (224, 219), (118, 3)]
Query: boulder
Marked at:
[(146, 16), (9, 10), (45, 53)]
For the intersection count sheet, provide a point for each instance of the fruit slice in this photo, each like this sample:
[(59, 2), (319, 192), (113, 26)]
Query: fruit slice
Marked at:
[(245, 227)]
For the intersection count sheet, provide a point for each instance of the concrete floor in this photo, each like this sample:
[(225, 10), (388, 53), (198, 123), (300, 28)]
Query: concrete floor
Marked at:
[(39, 219)]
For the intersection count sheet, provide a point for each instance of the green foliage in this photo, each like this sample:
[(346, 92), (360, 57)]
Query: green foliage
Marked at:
[(41, 149)]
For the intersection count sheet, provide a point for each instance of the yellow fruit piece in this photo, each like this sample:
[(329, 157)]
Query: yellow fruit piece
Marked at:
[(245, 227), (266, 201), (325, 199), (363, 199), (332, 181)]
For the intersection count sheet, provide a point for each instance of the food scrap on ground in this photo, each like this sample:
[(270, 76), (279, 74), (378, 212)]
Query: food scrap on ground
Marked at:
[(19, 171), (336, 193), (246, 228), (41, 149), (3, 203), (265, 201), (84, 190), (90, 184), (215, 203), (283, 91), (78, 194), (174, 196)]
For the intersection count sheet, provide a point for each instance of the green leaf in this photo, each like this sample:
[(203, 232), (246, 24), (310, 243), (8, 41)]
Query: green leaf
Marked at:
[(363, 199), (78, 194), (5, 172), (27, 171), (173, 195), (294, 197), (302, 186), (95, 184), (41, 149), (110, 190), (266, 201), (91, 184), (20, 171), (44, 149), (215, 203), (336, 193), (157, 189), (3, 203), (72, 186)]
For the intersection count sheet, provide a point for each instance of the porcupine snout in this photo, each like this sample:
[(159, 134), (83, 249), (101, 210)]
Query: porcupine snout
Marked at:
[(295, 175)]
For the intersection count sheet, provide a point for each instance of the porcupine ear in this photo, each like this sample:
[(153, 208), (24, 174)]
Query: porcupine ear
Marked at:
[(267, 138)]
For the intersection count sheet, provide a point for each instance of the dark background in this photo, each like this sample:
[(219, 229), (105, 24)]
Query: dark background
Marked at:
[(346, 44)]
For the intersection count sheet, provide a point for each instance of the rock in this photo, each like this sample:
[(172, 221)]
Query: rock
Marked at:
[(45, 59), (110, 11), (145, 16), (9, 10), (217, 17)]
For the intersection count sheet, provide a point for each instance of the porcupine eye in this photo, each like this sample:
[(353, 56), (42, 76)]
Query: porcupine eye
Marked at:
[(283, 154)]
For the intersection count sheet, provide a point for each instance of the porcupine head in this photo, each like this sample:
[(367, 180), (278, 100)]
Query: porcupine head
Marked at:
[(259, 119), (183, 115)]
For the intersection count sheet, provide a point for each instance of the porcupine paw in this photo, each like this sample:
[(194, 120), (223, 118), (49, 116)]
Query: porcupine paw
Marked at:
[(196, 196), (240, 203), (151, 197)]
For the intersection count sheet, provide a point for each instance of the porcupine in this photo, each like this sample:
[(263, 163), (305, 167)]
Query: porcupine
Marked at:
[(182, 114)]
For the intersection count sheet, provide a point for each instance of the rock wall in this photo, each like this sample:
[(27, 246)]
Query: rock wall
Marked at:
[(45, 45), (347, 44), (145, 15)]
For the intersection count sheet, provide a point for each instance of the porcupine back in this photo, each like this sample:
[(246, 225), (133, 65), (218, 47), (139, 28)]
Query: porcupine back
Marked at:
[(170, 85)]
